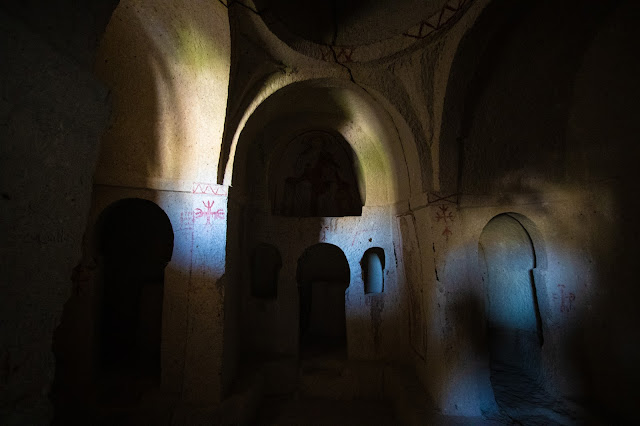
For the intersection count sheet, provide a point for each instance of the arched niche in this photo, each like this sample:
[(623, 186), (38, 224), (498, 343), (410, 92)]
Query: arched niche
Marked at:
[(385, 174), (315, 176), (323, 276), (373, 263), (509, 257), (503, 121), (265, 266), (134, 242), (155, 102)]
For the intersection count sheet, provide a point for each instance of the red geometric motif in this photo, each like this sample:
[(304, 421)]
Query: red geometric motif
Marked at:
[(446, 216), (207, 188), (437, 20), (217, 215)]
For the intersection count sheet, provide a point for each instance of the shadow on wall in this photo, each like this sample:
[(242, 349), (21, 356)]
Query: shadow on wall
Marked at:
[(458, 349), (560, 135), (602, 134), (503, 340), (266, 263), (72, 28), (107, 346), (504, 122)]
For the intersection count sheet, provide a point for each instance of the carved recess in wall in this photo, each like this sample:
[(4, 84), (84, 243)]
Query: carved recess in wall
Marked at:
[(360, 31), (315, 177)]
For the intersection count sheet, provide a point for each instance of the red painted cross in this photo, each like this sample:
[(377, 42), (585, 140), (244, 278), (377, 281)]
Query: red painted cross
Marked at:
[(209, 213), (444, 214)]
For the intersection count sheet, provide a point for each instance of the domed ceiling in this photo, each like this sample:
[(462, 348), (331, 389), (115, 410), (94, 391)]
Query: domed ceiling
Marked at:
[(349, 22), (357, 30)]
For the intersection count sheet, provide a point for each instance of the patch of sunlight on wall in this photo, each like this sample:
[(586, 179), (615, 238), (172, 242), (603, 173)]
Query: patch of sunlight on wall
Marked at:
[(568, 283), (371, 166), (372, 143), (185, 45), (194, 40)]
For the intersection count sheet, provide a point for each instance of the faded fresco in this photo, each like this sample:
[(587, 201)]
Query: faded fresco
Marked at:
[(316, 178)]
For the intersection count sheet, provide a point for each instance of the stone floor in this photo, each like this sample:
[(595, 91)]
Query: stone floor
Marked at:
[(293, 411), (331, 390), (522, 400)]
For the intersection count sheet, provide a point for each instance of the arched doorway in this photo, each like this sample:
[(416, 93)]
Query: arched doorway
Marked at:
[(513, 318), (323, 276), (135, 243)]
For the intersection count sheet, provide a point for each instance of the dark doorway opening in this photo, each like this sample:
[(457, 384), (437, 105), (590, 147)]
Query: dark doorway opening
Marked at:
[(323, 276), (135, 243)]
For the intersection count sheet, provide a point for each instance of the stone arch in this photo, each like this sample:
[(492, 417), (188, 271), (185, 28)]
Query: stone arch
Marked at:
[(503, 121), (134, 243), (509, 257), (336, 106), (386, 169)]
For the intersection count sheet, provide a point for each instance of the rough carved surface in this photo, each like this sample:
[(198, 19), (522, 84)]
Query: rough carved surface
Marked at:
[(52, 114), (426, 127), (316, 177)]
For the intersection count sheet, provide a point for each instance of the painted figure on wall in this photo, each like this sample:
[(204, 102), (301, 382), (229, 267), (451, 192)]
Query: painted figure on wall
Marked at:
[(316, 178)]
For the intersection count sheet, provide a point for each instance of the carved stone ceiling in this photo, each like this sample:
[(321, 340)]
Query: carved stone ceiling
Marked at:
[(350, 22)]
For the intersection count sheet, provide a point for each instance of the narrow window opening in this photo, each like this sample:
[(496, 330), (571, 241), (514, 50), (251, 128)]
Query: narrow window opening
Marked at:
[(373, 270)]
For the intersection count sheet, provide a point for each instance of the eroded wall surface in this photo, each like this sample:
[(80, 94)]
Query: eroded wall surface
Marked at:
[(53, 113), (525, 140), (481, 109), (167, 67)]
